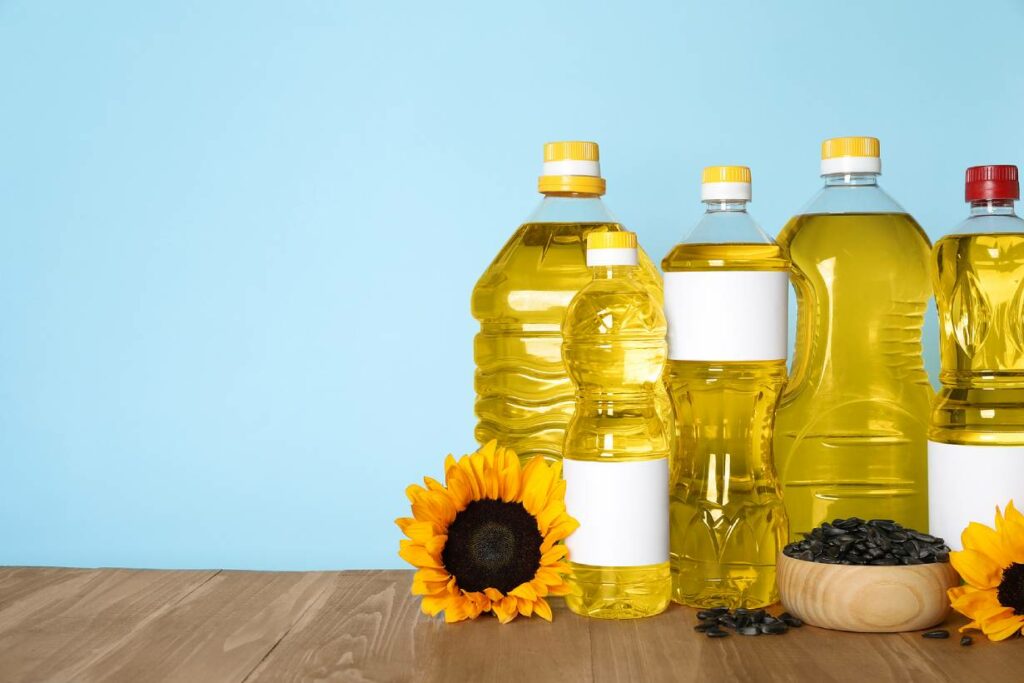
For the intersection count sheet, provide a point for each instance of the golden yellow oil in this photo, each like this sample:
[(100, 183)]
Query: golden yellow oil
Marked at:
[(615, 353), (727, 518), (850, 433), (524, 398), (979, 291)]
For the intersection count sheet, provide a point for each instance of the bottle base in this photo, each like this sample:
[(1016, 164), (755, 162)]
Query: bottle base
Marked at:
[(733, 586), (619, 592)]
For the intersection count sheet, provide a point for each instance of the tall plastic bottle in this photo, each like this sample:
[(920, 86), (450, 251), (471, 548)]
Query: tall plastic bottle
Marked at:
[(851, 431), (726, 297), (616, 446), (523, 396), (976, 440)]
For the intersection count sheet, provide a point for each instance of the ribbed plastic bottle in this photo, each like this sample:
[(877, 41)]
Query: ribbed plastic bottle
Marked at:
[(851, 431), (616, 446), (524, 398), (976, 441), (726, 299)]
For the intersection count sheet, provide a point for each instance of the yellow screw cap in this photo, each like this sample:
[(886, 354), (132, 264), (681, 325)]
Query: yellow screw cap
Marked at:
[(726, 174), (833, 148), (574, 150), (611, 240), (850, 155), (571, 166)]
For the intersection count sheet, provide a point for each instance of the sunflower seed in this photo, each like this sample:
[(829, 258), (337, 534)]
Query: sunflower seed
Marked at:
[(790, 620), (937, 633), (879, 542), (749, 631), (966, 640), (716, 633)]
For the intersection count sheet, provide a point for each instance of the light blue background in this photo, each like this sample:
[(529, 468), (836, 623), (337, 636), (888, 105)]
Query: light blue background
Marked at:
[(237, 239)]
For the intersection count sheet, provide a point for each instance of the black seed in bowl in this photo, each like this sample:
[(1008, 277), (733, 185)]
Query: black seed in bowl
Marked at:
[(878, 542)]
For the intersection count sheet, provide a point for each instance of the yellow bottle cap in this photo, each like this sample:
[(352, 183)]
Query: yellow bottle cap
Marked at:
[(850, 155), (611, 240), (726, 174), (571, 166), (725, 183), (834, 148)]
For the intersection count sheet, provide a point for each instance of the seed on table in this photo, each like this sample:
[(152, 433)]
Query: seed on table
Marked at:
[(966, 640), (750, 631), (937, 633), (704, 626), (716, 633), (713, 612), (778, 628), (790, 620)]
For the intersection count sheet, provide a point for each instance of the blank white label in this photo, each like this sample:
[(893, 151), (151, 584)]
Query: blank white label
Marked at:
[(738, 315), (622, 508), (966, 483)]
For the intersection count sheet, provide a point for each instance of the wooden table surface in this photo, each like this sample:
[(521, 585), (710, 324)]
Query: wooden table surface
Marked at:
[(198, 626)]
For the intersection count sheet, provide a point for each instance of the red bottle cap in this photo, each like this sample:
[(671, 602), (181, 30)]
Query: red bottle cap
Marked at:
[(991, 182)]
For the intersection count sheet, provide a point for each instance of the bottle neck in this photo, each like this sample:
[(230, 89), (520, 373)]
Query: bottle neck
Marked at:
[(571, 207), (992, 207), (719, 205), (850, 179), (612, 272)]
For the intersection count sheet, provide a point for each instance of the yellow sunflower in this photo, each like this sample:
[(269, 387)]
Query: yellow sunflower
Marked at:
[(489, 539), (992, 566)]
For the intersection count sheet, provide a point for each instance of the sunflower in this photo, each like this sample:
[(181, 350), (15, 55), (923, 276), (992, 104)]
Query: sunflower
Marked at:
[(992, 566), (489, 539)]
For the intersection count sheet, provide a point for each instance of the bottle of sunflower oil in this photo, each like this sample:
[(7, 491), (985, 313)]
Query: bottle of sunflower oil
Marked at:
[(616, 446), (976, 440), (851, 430), (726, 298), (524, 398)]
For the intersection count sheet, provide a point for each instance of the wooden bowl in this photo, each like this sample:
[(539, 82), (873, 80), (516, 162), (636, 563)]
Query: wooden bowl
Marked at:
[(865, 598)]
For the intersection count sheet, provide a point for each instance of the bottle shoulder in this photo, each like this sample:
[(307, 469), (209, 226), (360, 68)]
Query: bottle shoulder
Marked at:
[(616, 306), (540, 268), (726, 256)]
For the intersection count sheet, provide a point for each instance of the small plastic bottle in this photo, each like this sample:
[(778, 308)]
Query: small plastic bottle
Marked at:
[(616, 446)]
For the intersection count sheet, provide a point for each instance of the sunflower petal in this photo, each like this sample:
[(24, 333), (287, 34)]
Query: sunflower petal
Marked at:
[(542, 609), (505, 609), (524, 591), (976, 568), (494, 594), (971, 602), (1003, 629), (525, 607), (986, 540), (417, 555), (433, 605)]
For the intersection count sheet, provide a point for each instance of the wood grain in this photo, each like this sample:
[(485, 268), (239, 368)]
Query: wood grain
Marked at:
[(866, 599), (124, 625)]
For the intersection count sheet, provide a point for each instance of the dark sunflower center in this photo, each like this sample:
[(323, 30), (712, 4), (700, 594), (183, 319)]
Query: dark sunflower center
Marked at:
[(1011, 588), (492, 544)]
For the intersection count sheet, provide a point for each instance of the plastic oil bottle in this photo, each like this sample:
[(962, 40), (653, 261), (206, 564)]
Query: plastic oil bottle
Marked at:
[(976, 441), (851, 430), (616, 446), (523, 396), (726, 298)]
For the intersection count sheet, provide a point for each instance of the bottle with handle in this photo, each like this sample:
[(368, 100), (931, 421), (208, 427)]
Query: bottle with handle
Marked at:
[(976, 440), (850, 434), (524, 398)]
